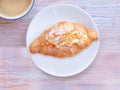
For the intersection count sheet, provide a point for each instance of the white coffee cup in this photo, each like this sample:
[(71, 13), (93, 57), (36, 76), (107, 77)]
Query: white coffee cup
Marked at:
[(15, 9)]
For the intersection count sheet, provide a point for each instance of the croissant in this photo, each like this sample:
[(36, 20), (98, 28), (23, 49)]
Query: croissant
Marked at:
[(63, 39)]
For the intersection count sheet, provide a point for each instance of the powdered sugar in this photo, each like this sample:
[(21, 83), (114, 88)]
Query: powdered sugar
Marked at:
[(66, 34)]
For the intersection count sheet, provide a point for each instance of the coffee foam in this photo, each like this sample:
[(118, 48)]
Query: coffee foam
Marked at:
[(14, 8)]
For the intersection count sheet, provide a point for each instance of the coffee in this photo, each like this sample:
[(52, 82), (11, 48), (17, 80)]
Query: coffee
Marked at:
[(14, 8)]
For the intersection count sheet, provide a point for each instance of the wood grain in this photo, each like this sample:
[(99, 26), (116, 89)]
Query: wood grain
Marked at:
[(18, 72)]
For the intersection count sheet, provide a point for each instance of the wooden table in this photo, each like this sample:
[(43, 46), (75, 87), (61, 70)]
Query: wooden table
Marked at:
[(17, 72)]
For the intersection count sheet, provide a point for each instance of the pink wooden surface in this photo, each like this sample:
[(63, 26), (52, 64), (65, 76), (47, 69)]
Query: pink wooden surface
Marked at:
[(17, 71)]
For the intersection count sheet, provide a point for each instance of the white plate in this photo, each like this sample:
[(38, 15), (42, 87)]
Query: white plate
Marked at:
[(48, 17)]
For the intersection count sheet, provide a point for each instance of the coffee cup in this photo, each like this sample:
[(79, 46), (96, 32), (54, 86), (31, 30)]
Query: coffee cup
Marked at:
[(15, 9)]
